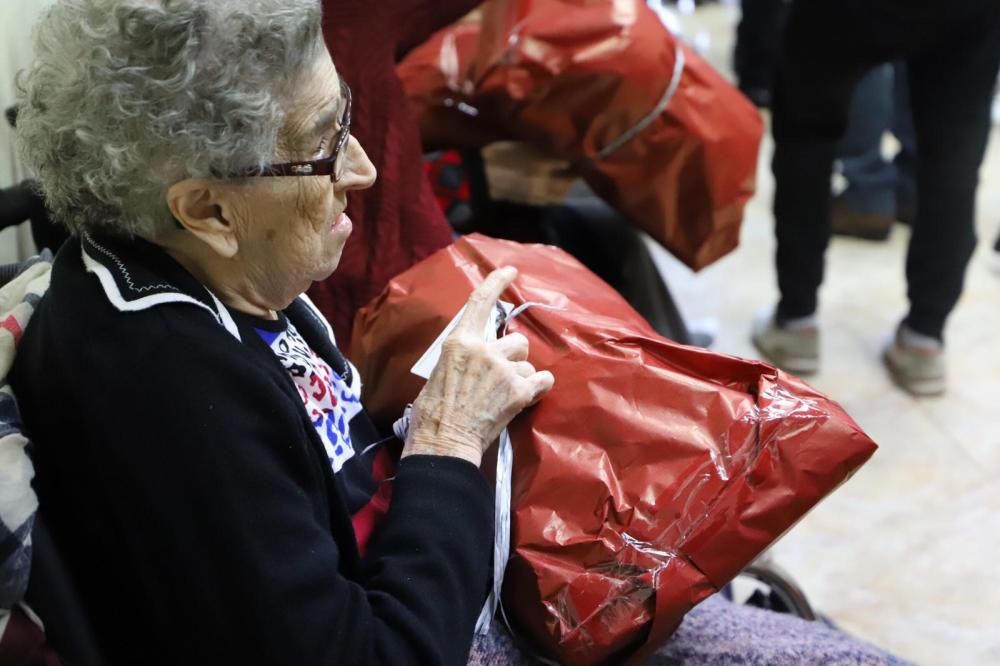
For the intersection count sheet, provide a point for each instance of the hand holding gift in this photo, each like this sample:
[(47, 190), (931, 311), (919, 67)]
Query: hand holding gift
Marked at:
[(478, 386)]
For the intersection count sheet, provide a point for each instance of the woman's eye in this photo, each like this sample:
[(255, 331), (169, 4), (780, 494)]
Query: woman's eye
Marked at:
[(327, 142)]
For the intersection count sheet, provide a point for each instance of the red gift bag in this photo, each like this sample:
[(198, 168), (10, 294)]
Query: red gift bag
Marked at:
[(651, 127), (647, 479)]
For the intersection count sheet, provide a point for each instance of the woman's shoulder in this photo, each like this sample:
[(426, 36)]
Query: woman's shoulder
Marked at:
[(128, 295), (87, 330), (168, 373)]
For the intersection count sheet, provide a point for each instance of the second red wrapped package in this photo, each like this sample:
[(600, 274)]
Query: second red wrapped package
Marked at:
[(652, 473), (653, 129)]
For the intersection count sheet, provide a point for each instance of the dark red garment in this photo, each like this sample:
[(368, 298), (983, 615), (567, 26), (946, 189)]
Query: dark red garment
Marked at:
[(23, 643), (649, 476), (369, 517), (397, 222)]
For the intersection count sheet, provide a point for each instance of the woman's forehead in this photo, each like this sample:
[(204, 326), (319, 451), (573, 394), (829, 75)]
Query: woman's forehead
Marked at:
[(322, 87), (317, 102)]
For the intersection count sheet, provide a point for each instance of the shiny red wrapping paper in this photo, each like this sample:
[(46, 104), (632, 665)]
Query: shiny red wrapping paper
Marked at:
[(572, 77), (651, 474)]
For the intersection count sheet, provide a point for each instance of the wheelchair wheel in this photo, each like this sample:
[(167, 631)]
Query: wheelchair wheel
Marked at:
[(784, 593)]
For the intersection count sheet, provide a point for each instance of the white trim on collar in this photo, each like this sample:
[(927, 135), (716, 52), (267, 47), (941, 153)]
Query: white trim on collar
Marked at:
[(114, 295)]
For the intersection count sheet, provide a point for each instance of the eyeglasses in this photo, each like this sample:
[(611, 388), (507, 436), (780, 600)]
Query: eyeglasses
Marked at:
[(332, 166)]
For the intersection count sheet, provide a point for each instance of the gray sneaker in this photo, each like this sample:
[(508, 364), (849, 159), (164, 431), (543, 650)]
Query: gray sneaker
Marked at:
[(918, 369), (794, 350)]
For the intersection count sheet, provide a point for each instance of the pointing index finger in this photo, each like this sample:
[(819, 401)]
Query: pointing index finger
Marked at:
[(480, 306)]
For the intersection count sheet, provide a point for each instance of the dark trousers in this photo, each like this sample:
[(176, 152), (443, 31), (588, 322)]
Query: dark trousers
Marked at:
[(758, 40), (952, 49)]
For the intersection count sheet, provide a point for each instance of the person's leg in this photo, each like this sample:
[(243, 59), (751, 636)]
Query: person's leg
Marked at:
[(815, 80), (870, 178), (906, 159), (758, 35), (951, 88), (498, 648), (721, 632)]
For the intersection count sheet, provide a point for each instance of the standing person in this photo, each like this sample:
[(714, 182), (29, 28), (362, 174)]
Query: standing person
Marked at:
[(952, 52), (397, 221)]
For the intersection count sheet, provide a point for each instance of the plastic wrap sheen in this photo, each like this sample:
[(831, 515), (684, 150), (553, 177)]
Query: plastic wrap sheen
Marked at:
[(650, 475)]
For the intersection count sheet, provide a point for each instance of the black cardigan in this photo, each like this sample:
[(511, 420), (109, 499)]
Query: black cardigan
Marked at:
[(185, 485)]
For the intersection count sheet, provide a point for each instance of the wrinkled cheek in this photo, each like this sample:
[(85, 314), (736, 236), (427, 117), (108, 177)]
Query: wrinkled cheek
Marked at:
[(316, 202)]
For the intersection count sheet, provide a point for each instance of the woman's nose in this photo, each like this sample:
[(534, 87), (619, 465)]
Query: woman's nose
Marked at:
[(359, 173)]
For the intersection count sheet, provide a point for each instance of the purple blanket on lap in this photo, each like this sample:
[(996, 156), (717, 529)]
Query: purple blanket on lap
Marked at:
[(720, 633)]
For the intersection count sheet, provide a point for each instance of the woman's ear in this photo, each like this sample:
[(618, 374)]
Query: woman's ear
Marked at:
[(203, 208)]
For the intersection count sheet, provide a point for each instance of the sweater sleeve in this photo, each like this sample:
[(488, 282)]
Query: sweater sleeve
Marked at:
[(221, 528), (417, 20)]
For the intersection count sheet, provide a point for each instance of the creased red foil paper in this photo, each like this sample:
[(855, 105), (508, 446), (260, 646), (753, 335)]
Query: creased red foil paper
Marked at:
[(573, 78), (647, 479)]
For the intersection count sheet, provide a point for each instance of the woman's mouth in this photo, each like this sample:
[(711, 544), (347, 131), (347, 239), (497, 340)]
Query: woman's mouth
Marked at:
[(342, 225)]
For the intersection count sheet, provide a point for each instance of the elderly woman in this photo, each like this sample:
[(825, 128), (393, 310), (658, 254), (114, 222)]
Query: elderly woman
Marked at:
[(202, 456)]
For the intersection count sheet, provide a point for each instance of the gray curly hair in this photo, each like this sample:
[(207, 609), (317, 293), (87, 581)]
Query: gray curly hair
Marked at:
[(127, 97)]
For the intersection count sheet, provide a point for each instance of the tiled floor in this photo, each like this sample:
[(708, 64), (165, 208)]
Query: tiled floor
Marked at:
[(907, 553)]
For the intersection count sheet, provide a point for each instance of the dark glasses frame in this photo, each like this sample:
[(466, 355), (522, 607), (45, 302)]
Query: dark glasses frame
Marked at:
[(325, 167)]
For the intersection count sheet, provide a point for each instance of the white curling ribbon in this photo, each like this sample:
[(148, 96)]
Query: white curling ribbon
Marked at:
[(503, 315), (516, 312), (501, 531), (502, 501), (402, 425)]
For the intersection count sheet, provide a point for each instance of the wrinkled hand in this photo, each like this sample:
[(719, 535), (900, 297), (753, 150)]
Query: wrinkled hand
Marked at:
[(478, 387)]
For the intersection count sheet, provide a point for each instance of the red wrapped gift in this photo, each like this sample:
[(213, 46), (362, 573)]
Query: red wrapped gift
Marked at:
[(651, 127), (647, 479)]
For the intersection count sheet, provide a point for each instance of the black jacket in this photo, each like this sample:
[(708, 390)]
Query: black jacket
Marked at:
[(184, 483)]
